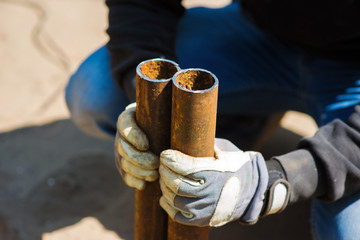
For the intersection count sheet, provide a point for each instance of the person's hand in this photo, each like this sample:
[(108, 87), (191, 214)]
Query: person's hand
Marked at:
[(213, 191), (134, 161)]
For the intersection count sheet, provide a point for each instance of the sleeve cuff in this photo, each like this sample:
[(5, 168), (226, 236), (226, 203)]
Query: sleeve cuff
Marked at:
[(303, 174)]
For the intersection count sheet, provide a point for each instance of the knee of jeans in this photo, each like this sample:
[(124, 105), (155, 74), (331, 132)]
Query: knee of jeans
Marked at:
[(89, 112), (93, 98)]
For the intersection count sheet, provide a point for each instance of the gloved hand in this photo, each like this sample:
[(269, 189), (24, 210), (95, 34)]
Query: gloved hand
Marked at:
[(135, 163), (213, 191)]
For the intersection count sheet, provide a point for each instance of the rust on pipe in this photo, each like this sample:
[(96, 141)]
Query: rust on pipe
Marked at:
[(153, 114), (193, 121)]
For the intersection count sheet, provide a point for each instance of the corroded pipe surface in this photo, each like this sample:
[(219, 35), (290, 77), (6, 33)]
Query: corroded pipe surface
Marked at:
[(193, 121), (153, 114)]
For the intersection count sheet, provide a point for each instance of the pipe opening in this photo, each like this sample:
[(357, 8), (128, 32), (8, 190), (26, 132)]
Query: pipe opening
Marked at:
[(195, 80), (158, 69)]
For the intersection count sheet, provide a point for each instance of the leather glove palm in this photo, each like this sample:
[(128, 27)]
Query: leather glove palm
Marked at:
[(213, 191)]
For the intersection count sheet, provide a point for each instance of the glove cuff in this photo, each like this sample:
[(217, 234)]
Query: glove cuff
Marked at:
[(278, 190), (278, 196)]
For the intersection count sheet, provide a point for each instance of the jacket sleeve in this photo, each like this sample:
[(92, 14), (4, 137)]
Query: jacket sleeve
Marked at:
[(140, 30), (327, 165)]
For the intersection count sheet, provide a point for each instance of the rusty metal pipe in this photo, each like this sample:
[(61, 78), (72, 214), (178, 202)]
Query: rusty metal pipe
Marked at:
[(193, 121), (153, 114)]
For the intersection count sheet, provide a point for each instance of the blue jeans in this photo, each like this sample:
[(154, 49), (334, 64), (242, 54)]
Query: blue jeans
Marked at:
[(258, 75)]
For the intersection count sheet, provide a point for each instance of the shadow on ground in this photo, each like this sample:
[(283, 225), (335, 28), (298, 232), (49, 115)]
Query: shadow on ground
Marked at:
[(52, 176)]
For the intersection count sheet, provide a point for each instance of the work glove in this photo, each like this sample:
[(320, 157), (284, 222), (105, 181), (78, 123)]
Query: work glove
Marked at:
[(133, 159), (213, 191)]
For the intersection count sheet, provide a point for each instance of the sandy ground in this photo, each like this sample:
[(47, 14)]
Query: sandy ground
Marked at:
[(56, 182)]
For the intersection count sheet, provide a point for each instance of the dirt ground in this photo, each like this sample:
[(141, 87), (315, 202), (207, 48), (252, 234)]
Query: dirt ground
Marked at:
[(55, 181)]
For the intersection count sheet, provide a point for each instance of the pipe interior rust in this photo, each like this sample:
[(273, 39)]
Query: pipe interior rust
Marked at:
[(153, 114), (158, 69), (193, 121), (195, 80)]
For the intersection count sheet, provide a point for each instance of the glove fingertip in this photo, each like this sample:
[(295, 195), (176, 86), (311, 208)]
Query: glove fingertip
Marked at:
[(131, 106), (153, 177), (139, 140), (134, 182), (140, 187), (165, 153), (129, 130), (171, 155)]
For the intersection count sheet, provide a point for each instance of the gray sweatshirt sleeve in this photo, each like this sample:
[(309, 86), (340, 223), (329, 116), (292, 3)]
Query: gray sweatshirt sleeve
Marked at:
[(327, 165)]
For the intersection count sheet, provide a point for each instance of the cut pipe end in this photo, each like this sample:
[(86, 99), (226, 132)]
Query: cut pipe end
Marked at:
[(157, 69), (195, 80)]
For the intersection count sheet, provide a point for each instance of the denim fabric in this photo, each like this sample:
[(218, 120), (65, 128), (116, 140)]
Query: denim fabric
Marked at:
[(93, 98), (338, 220), (258, 75)]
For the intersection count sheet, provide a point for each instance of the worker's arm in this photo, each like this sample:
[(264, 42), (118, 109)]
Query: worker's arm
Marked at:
[(140, 30), (325, 166)]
